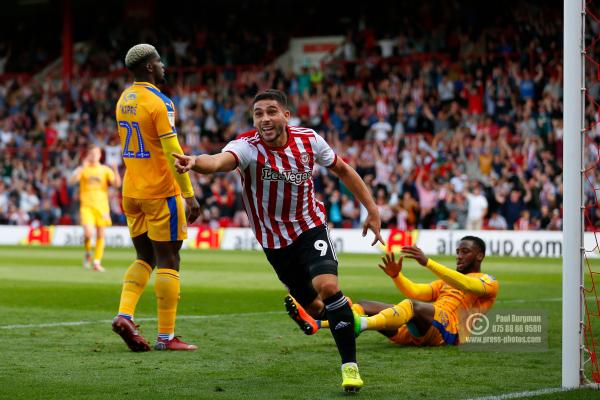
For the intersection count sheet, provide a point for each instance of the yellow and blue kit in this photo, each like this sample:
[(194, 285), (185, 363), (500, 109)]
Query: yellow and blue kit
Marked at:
[(454, 298), (151, 188)]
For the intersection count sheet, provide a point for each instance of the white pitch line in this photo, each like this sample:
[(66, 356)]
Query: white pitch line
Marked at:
[(108, 321), (79, 323), (518, 395)]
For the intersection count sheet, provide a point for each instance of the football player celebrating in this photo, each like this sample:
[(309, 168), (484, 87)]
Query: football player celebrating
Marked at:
[(275, 162)]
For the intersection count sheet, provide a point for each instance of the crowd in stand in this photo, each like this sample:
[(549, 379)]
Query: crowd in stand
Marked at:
[(468, 135)]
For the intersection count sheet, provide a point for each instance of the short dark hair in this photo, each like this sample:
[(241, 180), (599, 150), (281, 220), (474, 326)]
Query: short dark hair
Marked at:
[(478, 242), (272, 94)]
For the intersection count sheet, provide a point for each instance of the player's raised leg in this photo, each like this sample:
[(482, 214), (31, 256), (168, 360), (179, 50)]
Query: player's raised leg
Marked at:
[(392, 318), (357, 309), (135, 280), (368, 308), (341, 323), (305, 321), (314, 317)]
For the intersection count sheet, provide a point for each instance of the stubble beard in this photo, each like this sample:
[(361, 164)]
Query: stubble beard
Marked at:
[(277, 135)]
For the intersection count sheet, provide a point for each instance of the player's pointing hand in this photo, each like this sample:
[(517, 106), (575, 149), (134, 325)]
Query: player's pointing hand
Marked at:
[(373, 222), (183, 163)]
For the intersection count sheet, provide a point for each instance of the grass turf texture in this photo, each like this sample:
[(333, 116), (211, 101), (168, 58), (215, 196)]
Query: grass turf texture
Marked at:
[(232, 308)]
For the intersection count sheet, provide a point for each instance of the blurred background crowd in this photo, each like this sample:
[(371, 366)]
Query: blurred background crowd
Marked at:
[(454, 122)]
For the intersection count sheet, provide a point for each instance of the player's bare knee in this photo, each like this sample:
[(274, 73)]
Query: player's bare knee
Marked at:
[(328, 289), (423, 311), (146, 257), (325, 280), (169, 262)]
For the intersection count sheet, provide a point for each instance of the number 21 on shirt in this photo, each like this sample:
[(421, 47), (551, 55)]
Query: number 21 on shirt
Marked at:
[(129, 127)]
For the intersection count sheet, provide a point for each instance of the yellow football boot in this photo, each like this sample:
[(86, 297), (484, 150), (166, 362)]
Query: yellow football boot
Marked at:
[(351, 381)]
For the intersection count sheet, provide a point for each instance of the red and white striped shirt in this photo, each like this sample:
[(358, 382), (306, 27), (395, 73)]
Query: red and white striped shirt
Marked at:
[(278, 193)]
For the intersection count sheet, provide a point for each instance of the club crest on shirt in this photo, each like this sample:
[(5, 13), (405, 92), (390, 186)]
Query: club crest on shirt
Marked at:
[(304, 158), (444, 318)]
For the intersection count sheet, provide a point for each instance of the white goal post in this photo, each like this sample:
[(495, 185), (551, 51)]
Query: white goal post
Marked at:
[(573, 116)]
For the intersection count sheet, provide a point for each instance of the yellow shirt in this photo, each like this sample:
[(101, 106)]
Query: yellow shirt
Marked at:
[(462, 302), (93, 186), (144, 117), (459, 305)]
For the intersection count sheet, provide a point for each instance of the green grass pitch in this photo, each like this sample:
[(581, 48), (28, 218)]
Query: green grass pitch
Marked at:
[(231, 306)]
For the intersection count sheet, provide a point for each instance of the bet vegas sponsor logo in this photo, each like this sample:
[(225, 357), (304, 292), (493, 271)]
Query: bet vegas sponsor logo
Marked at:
[(293, 177)]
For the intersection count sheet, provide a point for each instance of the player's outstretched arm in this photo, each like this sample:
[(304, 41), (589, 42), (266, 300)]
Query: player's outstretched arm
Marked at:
[(393, 268), (204, 163), (352, 180), (450, 276), (171, 145)]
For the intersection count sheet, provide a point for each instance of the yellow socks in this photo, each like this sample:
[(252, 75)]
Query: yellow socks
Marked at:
[(166, 288), (135, 280), (87, 245), (390, 318), (357, 308), (99, 250)]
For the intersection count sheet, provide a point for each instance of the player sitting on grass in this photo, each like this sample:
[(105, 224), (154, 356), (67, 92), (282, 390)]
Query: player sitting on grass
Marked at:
[(434, 313)]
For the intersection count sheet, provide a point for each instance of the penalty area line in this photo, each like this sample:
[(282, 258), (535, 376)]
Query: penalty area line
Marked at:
[(108, 321)]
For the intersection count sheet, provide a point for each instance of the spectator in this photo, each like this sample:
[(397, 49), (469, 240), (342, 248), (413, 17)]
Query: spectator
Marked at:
[(555, 223), (380, 130), (428, 198), (460, 208), (411, 207), (477, 208), (496, 119), (497, 221), (335, 209), (350, 212), (525, 222), (29, 201), (512, 207)]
